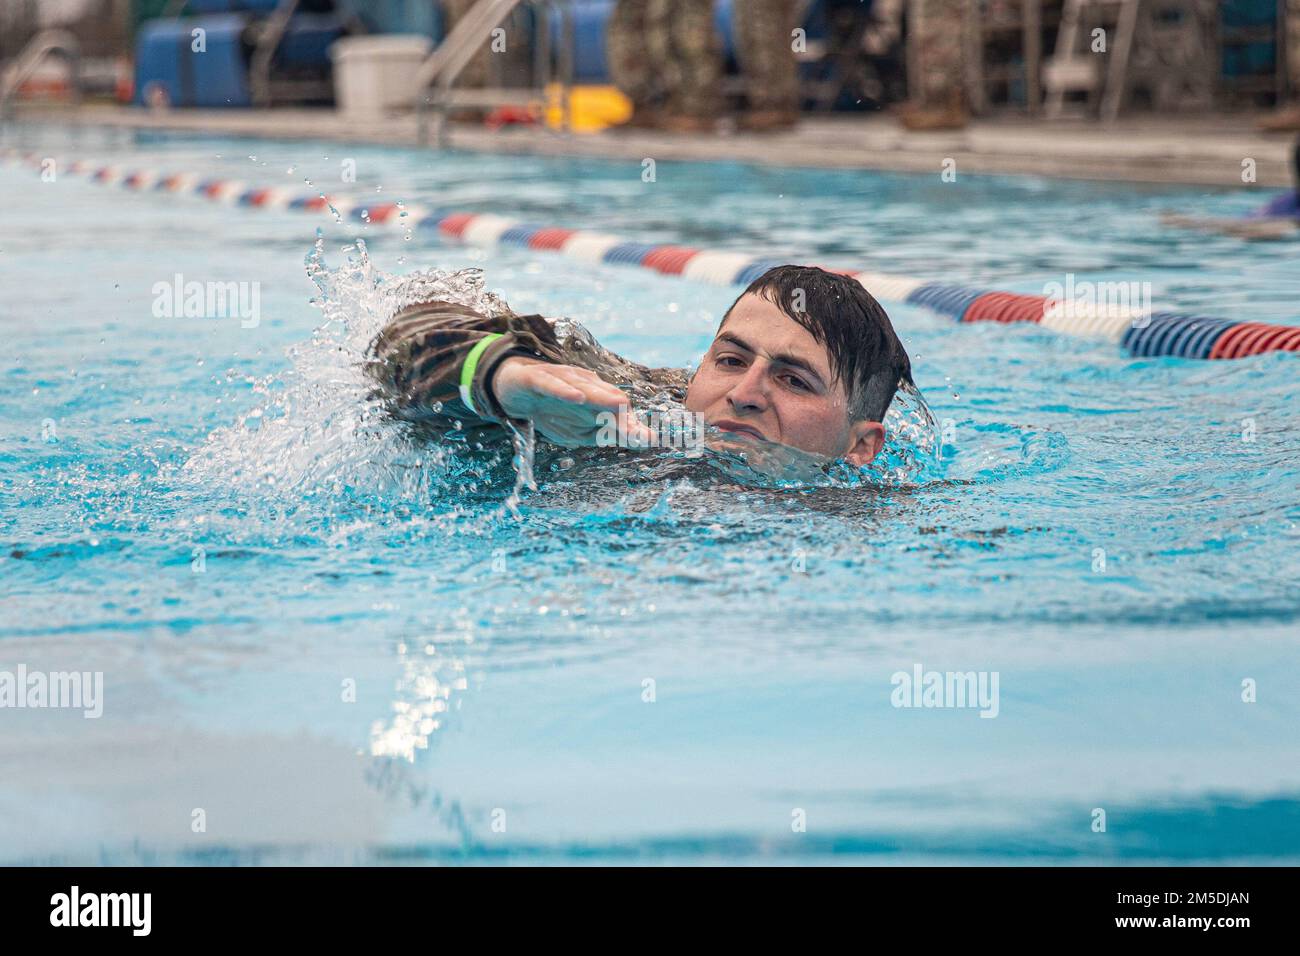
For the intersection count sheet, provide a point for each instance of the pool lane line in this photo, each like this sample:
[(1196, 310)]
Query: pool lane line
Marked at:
[(1142, 335)]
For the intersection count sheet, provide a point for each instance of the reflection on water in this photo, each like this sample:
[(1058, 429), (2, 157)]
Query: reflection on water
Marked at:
[(423, 693)]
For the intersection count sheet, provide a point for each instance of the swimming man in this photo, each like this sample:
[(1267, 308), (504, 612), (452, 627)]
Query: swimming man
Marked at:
[(804, 358)]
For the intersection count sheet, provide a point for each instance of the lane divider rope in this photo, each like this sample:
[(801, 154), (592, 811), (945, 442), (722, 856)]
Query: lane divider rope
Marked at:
[(1140, 334)]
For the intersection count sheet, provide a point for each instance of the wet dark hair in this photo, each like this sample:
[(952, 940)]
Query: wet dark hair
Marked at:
[(850, 324)]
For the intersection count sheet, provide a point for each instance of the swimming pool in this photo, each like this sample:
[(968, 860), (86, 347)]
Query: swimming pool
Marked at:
[(340, 649)]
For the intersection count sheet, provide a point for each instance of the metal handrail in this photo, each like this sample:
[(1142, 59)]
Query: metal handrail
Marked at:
[(37, 49), (445, 64), (458, 47), (268, 41)]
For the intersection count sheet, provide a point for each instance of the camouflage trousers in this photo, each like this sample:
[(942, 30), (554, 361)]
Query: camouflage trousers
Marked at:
[(936, 44), (765, 49), (665, 54)]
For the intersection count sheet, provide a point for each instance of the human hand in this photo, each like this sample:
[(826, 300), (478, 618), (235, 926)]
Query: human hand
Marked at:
[(567, 404)]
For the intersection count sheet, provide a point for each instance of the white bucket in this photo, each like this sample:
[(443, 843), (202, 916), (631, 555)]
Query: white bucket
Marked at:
[(373, 74)]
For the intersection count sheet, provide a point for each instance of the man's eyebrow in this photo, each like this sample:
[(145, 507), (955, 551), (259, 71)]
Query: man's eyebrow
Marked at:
[(783, 358)]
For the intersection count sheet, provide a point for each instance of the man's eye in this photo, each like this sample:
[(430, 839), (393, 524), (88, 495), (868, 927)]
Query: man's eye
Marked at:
[(797, 382), (730, 361)]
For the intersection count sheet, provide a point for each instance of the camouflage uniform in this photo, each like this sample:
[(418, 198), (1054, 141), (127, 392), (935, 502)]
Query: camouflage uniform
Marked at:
[(765, 49), (937, 46), (694, 63), (665, 53), (627, 52), (476, 72)]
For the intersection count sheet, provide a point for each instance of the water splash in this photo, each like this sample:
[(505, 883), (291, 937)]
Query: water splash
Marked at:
[(912, 452), (319, 433), (524, 440)]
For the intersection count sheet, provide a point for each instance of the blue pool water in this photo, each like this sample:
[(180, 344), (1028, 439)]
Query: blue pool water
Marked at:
[(211, 516)]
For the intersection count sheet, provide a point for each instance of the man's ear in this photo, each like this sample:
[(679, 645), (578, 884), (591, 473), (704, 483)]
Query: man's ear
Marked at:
[(865, 441)]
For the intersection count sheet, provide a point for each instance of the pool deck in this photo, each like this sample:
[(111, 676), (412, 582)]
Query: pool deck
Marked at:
[(1202, 150)]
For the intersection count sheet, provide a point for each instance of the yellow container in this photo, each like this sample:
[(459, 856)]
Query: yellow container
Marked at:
[(591, 108)]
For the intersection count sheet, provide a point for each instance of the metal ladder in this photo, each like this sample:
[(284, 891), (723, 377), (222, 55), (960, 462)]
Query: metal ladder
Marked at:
[(25, 64), (1142, 48), (268, 39), (444, 65), (1070, 71)]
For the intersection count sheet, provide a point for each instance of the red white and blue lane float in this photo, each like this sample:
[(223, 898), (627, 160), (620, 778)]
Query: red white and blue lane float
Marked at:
[(1084, 310)]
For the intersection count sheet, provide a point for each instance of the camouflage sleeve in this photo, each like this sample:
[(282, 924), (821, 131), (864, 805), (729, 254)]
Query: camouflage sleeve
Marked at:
[(437, 360)]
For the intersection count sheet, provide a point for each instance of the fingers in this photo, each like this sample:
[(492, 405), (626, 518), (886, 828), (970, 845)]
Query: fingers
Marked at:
[(594, 390), (523, 385), (558, 389), (633, 433), (572, 406), (575, 425), (542, 383)]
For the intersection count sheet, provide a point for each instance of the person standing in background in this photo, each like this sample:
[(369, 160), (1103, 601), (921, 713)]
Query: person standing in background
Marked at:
[(665, 56), (632, 66), (690, 52), (765, 49), (936, 48)]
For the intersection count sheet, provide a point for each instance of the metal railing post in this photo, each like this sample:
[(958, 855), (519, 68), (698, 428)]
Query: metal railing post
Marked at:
[(32, 55)]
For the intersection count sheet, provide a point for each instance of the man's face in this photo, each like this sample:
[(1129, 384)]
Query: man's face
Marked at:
[(766, 376)]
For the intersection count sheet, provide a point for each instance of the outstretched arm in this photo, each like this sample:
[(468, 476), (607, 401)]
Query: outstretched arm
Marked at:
[(440, 360)]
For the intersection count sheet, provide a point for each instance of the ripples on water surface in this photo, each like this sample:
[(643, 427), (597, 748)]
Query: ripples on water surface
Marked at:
[(1094, 528)]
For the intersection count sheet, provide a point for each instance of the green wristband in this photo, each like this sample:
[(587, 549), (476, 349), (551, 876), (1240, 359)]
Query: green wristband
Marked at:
[(471, 366)]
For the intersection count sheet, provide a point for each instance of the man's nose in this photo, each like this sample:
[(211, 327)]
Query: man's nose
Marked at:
[(750, 393)]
